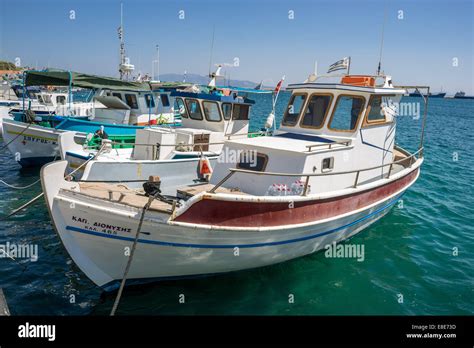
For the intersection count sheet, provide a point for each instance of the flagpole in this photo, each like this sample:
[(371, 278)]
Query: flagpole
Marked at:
[(278, 93), (274, 103)]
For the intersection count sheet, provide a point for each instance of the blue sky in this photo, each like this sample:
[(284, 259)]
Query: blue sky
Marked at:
[(420, 48)]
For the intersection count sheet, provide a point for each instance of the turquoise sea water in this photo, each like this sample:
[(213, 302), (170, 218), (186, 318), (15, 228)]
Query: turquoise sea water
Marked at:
[(408, 252)]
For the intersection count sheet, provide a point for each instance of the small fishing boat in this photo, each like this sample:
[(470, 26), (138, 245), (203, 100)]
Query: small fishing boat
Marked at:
[(208, 119), (330, 171), (11, 97), (121, 107)]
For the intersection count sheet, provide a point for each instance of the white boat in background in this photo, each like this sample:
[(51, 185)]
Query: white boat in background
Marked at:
[(209, 116), (120, 106), (11, 97), (207, 121), (330, 171)]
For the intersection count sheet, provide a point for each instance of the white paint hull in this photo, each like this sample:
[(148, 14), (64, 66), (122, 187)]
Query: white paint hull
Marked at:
[(4, 115), (33, 146), (172, 250)]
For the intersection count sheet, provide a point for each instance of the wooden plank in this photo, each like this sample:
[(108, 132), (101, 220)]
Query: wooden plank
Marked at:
[(4, 311), (192, 190)]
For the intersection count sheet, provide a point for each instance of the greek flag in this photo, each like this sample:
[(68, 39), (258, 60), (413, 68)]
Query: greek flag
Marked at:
[(340, 64)]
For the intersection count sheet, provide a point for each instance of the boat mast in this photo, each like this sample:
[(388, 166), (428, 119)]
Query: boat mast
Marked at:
[(381, 40), (212, 48), (122, 43), (125, 68)]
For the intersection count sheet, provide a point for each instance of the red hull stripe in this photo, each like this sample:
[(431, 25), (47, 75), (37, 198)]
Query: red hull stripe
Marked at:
[(253, 214)]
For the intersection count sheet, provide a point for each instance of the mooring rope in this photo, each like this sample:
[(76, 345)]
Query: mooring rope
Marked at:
[(132, 252), (14, 212), (19, 187), (27, 204)]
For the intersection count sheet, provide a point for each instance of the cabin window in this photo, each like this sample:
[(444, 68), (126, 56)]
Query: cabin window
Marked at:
[(60, 100), (346, 113), (179, 106), (165, 100), (194, 109), (316, 111), (294, 109), (131, 100), (150, 102), (252, 160), (375, 112), (241, 112), (227, 110), (46, 99), (118, 95), (327, 164), (211, 111)]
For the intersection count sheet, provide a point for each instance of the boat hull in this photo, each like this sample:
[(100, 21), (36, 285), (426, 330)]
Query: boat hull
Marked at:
[(96, 235), (33, 146), (4, 115)]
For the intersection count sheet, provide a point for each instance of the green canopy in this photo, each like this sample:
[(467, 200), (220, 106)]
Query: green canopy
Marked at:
[(74, 79)]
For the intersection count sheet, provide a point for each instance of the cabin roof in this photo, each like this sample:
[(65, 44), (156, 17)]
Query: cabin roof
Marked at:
[(54, 77), (344, 87), (212, 97), (293, 142)]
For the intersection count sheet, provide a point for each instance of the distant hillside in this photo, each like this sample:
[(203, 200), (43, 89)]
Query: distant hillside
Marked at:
[(7, 66), (204, 80)]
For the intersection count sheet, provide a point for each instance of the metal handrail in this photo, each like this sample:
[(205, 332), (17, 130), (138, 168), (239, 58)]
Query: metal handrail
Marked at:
[(169, 145), (308, 175), (339, 142), (192, 144)]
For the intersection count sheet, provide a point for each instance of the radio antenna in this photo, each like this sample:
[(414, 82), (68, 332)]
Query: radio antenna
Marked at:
[(381, 40), (212, 47)]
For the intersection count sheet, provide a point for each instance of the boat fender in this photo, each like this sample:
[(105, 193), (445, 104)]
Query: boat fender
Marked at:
[(270, 120), (205, 168)]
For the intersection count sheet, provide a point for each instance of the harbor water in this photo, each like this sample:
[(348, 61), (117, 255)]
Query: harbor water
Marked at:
[(418, 259)]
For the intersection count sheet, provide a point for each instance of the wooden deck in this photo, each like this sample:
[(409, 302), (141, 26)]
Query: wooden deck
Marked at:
[(122, 194), (192, 190)]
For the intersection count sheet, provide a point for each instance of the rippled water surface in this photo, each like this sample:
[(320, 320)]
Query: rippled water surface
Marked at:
[(408, 252)]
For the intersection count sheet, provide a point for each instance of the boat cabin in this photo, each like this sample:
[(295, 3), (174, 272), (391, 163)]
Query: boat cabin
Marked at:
[(146, 107), (327, 127), (207, 120)]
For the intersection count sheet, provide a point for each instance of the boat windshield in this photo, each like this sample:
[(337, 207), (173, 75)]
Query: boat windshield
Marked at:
[(346, 113), (316, 111), (294, 109), (194, 109)]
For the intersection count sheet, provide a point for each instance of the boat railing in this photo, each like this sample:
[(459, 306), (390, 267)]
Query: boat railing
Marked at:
[(329, 145), (307, 176), (200, 145)]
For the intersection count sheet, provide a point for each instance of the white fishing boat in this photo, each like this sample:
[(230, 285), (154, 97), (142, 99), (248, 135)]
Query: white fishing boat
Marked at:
[(120, 106), (331, 170), (11, 97), (207, 121)]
